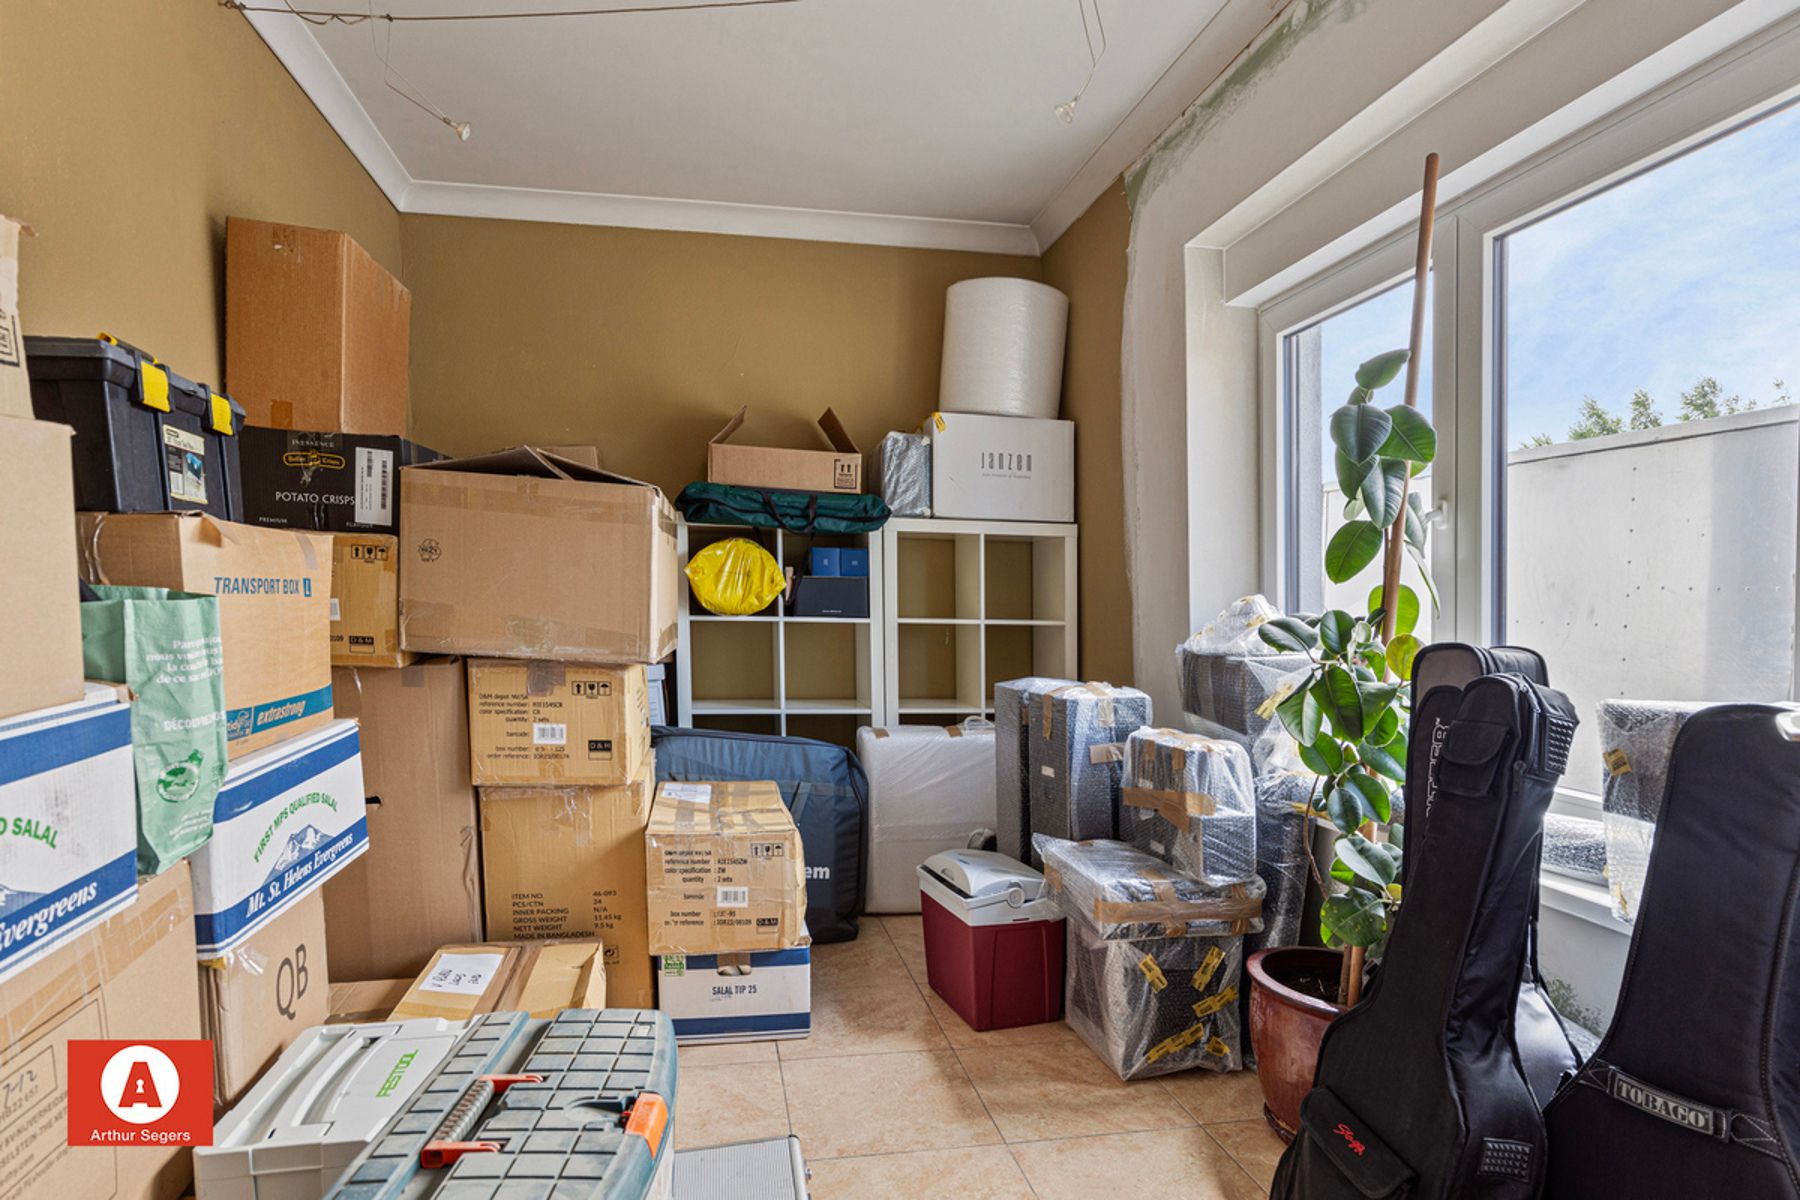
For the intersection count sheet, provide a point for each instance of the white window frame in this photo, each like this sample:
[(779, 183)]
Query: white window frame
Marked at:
[(1728, 91)]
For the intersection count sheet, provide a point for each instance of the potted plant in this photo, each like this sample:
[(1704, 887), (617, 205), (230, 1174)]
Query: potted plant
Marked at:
[(1350, 713)]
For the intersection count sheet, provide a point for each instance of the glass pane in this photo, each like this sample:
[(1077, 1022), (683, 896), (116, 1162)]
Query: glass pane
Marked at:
[(1648, 335), (1321, 362)]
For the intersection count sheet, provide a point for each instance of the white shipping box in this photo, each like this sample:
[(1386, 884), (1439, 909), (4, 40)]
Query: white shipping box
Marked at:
[(930, 789), (745, 997), (68, 823), (1001, 468), (288, 818)]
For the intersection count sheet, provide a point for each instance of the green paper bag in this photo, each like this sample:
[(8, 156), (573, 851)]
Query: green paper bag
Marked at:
[(164, 646)]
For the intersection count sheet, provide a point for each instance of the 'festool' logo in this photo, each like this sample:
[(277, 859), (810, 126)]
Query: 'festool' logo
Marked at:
[(393, 1079)]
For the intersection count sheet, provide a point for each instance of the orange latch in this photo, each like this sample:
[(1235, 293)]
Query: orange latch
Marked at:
[(649, 1117)]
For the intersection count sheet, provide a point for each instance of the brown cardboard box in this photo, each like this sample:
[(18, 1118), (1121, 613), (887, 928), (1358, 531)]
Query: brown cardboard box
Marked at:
[(365, 1001), (261, 996), (274, 589), (569, 862), (838, 469), (316, 331), (40, 638), (15, 385), (725, 870), (521, 554), (365, 601), (540, 978), (131, 976), (416, 888), (557, 723), (587, 456)]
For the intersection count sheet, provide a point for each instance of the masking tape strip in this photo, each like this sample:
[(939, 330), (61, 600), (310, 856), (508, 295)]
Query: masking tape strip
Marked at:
[(1163, 912), (1177, 808), (1106, 752)]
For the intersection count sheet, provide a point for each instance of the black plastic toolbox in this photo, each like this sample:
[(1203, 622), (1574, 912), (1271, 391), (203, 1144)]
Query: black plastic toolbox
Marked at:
[(146, 439)]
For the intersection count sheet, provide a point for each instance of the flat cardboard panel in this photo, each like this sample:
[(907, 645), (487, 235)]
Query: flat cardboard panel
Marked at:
[(1002, 468), (836, 470), (364, 1001), (274, 589), (418, 887), (40, 639), (316, 331), (557, 723), (262, 995), (15, 384), (545, 561), (541, 978), (724, 870), (569, 862), (365, 601)]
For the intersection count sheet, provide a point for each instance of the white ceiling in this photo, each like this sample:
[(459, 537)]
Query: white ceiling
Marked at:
[(900, 122)]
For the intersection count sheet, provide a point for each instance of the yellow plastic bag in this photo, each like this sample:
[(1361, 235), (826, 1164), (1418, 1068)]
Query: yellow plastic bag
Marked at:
[(735, 577)]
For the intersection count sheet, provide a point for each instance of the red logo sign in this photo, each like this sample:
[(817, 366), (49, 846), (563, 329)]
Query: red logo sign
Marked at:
[(1349, 1136), (140, 1093)]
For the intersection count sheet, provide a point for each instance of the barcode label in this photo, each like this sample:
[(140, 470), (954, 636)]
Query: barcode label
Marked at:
[(334, 609), (374, 486), (733, 897), (544, 733)]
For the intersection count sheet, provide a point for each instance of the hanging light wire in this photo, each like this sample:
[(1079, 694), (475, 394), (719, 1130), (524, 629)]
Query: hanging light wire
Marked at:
[(326, 16), (1066, 110)]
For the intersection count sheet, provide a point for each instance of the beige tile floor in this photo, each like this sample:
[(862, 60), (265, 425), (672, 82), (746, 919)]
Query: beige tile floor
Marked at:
[(894, 1096)]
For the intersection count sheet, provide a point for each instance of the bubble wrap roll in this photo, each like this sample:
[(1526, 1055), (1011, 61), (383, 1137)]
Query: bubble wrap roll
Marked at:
[(1189, 801), (1076, 762), (906, 474), (1003, 348), (1281, 831), (1637, 740), (1012, 730)]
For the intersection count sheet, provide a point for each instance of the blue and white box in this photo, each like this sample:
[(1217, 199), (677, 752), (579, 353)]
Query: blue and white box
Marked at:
[(854, 561), (826, 560), (746, 997), (288, 818), (68, 823)]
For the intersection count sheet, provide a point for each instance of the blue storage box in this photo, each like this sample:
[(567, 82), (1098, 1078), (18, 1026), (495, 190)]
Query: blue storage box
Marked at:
[(826, 560), (854, 560)]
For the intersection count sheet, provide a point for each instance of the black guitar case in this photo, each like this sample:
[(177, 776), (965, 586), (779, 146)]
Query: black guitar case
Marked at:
[(1419, 1093), (1695, 1089), (1445, 668)]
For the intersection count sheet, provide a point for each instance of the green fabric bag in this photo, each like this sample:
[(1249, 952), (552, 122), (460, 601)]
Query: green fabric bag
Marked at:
[(796, 512), (165, 647)]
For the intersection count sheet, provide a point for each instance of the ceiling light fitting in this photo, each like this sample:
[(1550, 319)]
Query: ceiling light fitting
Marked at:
[(1065, 112)]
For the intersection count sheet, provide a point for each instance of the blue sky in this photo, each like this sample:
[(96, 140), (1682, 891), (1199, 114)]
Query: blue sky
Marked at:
[(1691, 269)]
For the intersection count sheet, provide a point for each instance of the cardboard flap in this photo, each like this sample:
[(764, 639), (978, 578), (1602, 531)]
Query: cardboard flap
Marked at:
[(530, 461), (732, 426), (835, 434)]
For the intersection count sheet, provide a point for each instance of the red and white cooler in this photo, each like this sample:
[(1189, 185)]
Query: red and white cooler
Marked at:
[(993, 939)]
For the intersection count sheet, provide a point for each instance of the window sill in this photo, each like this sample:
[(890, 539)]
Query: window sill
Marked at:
[(1577, 898)]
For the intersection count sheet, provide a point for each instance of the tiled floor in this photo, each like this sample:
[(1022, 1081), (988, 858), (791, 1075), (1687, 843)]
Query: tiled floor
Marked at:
[(894, 1096)]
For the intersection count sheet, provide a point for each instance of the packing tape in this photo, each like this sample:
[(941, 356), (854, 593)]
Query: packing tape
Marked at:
[(281, 414), (542, 677), (1177, 808), (1235, 908), (1106, 752), (525, 496)]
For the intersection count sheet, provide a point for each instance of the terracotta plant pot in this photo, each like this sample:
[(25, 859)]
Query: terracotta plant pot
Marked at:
[(1287, 1019)]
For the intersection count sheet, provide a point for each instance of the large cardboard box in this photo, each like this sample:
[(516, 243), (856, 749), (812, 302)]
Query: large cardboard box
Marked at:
[(1002, 468), (418, 887), (557, 723), (541, 978), (569, 862), (724, 870), (365, 601), (316, 331), (68, 824), (336, 482), (15, 384), (364, 1001), (521, 554), (256, 999), (839, 469), (40, 638), (274, 589), (737, 997), (130, 977), (288, 818)]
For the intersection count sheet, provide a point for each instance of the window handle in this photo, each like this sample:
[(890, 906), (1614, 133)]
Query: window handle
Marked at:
[(1438, 517)]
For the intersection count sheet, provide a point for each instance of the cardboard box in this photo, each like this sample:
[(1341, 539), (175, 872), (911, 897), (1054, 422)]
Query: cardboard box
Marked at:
[(724, 870), (364, 1001), (418, 887), (15, 384), (316, 331), (257, 998), (569, 862), (521, 554), (365, 601), (557, 723), (540, 978), (287, 819), (839, 469), (1002, 468), (129, 977), (328, 482), (737, 997), (274, 589), (40, 639), (68, 823)]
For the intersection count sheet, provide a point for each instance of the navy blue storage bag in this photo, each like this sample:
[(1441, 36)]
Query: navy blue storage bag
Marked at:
[(825, 790)]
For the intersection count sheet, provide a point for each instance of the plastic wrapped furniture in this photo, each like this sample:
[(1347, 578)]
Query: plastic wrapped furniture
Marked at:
[(906, 474), (1637, 738), (1189, 801), (1227, 673), (930, 788), (1013, 700), (1154, 957), (1076, 763), (1282, 803)]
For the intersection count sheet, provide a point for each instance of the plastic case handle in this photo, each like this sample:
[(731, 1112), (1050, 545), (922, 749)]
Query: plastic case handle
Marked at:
[(449, 1141)]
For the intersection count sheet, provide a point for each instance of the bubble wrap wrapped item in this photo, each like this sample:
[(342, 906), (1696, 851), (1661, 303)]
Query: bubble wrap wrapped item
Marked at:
[(1637, 739), (906, 474), (1228, 673), (1576, 847), (1189, 800), (1282, 800), (1155, 958), (1076, 762), (1012, 791)]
